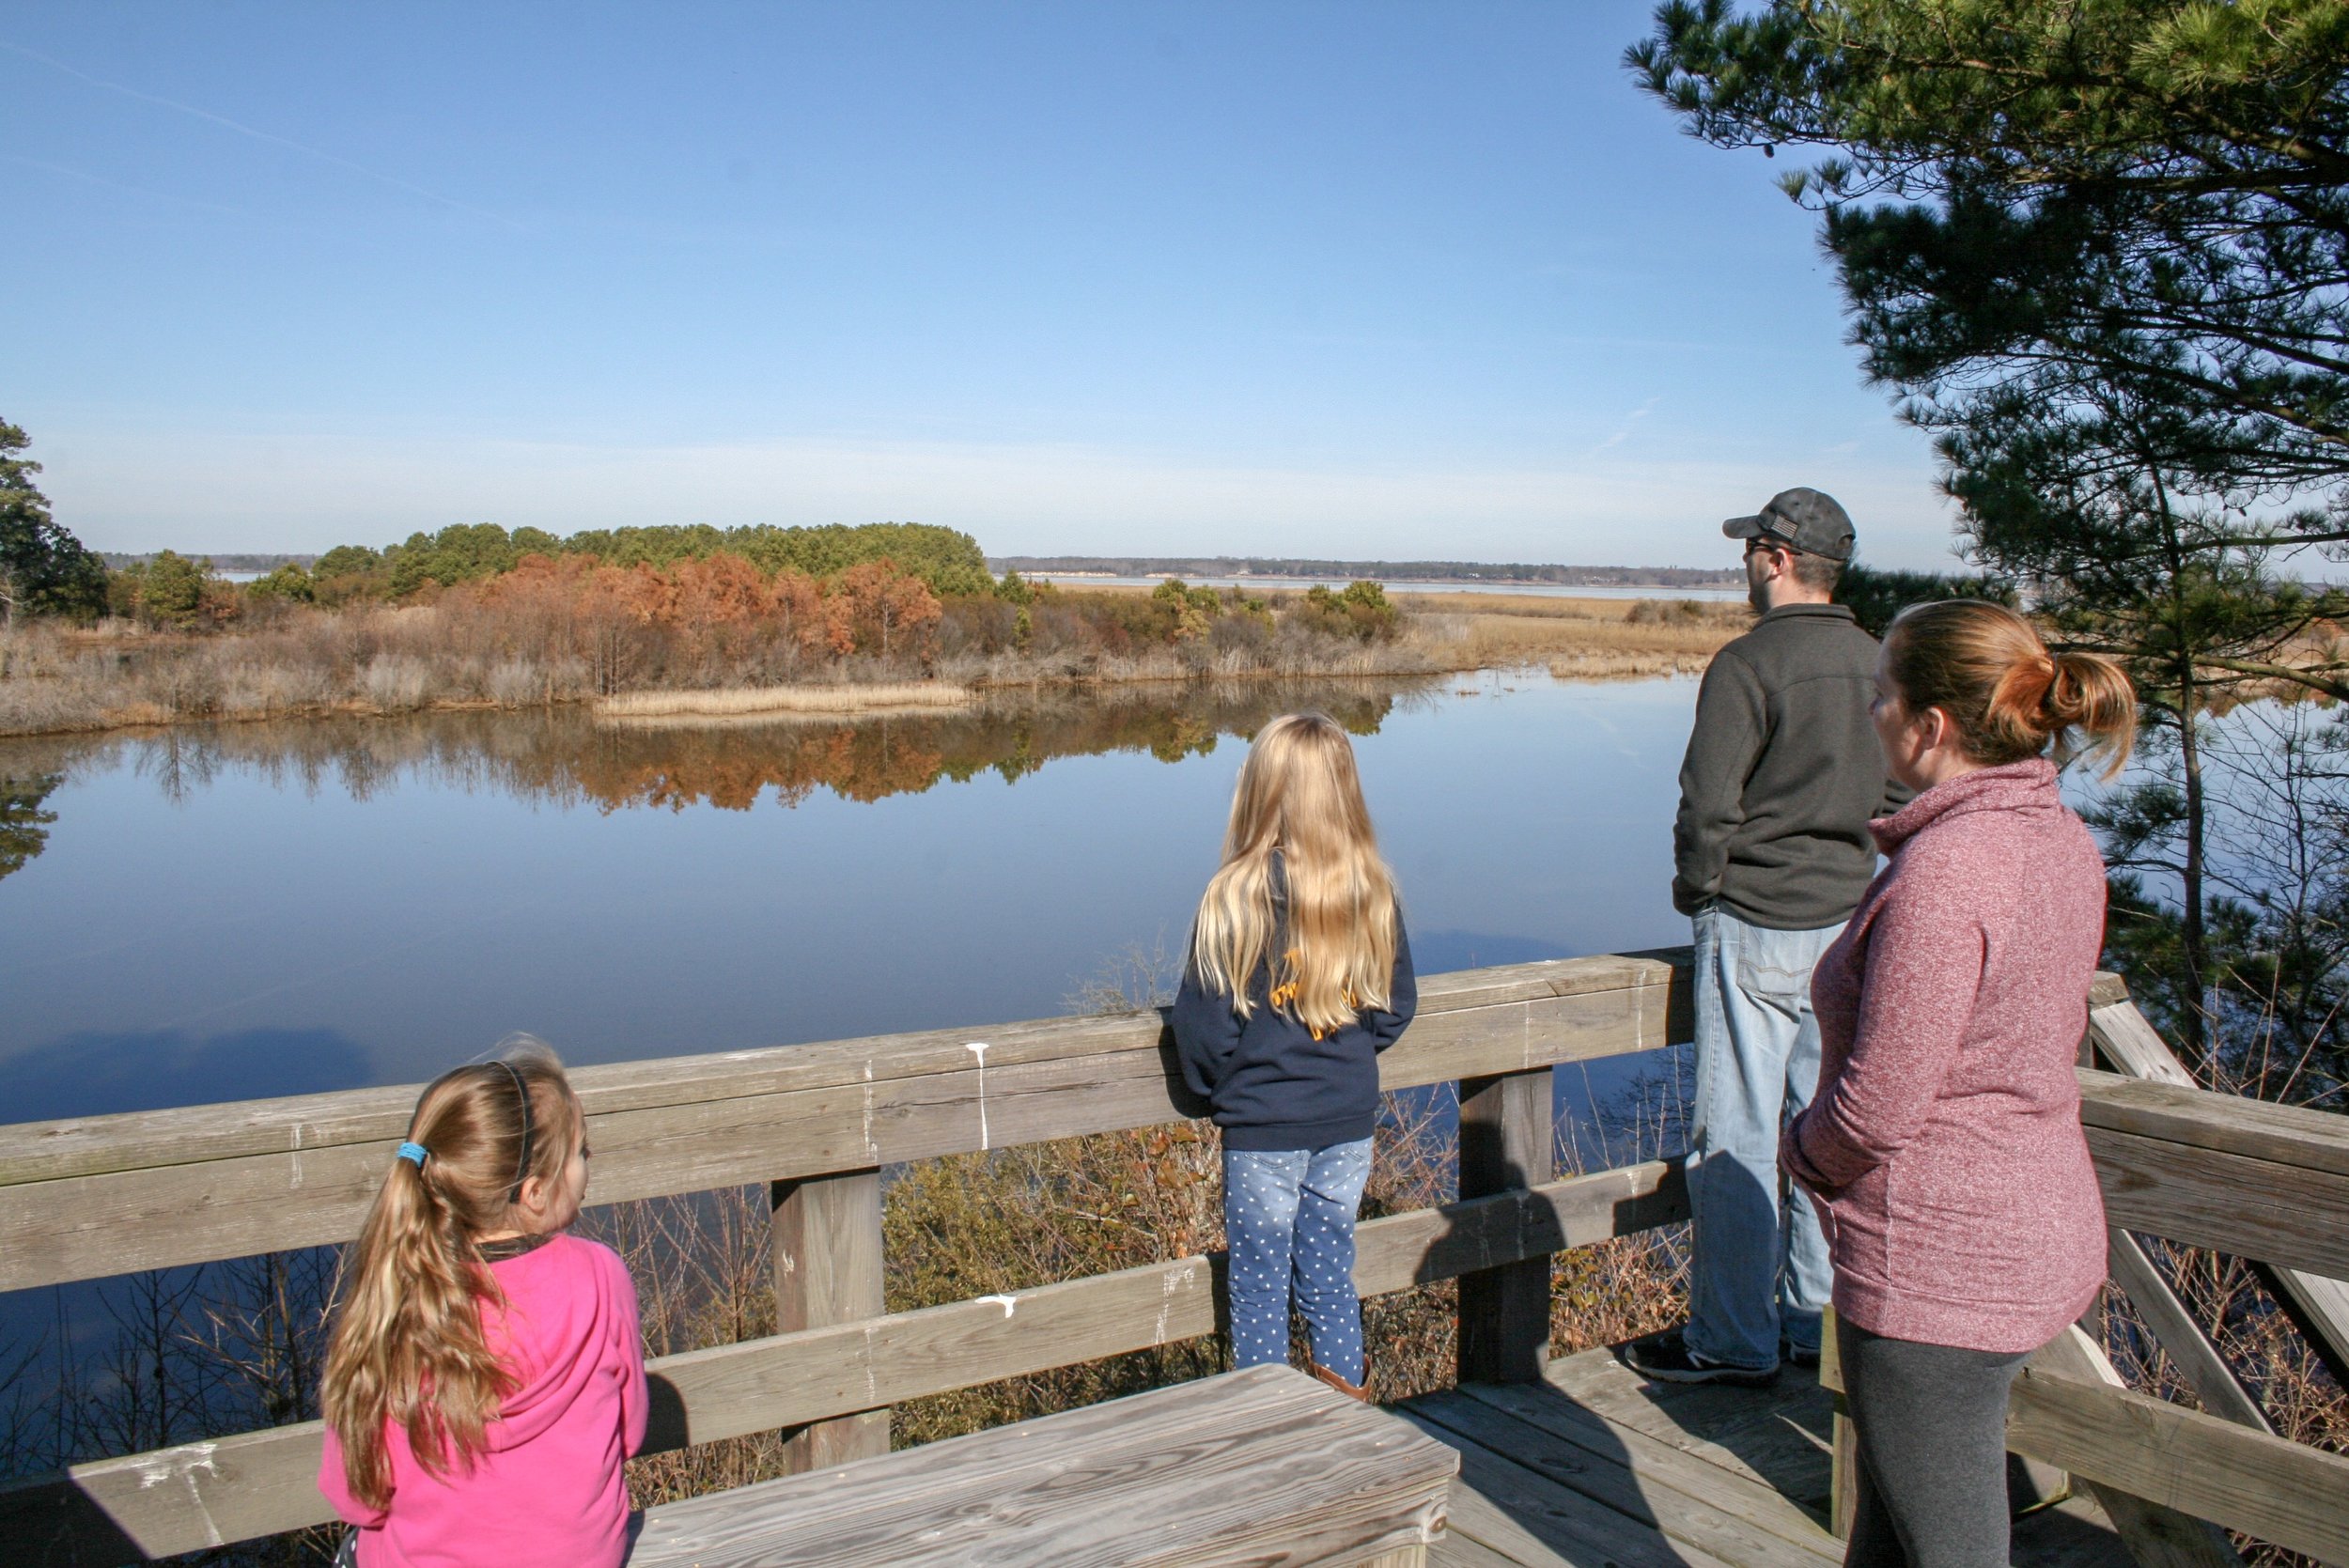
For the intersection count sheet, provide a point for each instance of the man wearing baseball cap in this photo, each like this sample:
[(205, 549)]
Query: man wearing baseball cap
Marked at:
[(1771, 853)]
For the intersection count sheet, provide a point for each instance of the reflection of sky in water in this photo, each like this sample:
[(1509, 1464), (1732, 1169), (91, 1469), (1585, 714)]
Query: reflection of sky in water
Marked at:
[(256, 938)]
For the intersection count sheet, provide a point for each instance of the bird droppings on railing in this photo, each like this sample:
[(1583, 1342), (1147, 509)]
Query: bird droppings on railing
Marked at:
[(1172, 1284), (1009, 1303), (181, 1465), (978, 1049), (872, 1150)]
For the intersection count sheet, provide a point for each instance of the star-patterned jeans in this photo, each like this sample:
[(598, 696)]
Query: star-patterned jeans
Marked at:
[(1289, 1220)]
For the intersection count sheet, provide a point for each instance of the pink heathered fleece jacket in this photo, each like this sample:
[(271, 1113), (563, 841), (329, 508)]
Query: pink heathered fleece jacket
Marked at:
[(549, 1493), (1945, 1137)]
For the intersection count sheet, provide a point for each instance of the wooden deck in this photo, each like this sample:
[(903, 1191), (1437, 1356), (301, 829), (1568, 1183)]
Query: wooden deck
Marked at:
[(1597, 1468)]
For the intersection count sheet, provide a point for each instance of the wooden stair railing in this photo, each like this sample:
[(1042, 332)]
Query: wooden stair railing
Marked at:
[(2244, 1177)]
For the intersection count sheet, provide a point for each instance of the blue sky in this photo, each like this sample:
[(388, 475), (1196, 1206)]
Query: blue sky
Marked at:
[(1338, 279)]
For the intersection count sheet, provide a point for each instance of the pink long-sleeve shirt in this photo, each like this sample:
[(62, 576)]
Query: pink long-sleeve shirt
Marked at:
[(1945, 1137), (549, 1492)]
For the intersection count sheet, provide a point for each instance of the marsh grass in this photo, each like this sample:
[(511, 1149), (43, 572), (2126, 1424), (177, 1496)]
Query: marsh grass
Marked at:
[(458, 654), (831, 701)]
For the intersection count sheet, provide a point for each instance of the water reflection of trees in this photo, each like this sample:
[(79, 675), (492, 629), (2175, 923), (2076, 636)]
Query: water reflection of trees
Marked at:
[(24, 824), (566, 757)]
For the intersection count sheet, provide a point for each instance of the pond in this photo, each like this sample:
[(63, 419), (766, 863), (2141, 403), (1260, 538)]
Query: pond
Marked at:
[(255, 910)]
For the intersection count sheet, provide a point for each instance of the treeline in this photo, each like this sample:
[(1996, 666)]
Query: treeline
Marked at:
[(236, 561), (949, 563), (1382, 571)]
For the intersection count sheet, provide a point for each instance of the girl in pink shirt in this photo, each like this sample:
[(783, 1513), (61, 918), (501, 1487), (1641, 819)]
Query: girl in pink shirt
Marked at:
[(1944, 1141), (485, 1379)]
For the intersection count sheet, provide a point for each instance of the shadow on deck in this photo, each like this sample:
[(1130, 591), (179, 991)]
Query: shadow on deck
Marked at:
[(1598, 1468)]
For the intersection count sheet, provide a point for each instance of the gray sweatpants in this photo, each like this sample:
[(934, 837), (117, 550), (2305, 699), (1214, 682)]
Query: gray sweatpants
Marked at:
[(1931, 1424)]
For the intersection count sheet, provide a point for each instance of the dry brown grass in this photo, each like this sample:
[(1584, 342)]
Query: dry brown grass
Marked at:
[(380, 661), (829, 701), (1577, 638)]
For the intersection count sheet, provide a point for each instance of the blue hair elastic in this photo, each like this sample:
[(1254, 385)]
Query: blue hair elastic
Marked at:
[(413, 1151)]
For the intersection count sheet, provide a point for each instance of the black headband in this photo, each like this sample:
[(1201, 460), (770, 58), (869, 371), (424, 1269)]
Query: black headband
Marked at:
[(522, 1168)]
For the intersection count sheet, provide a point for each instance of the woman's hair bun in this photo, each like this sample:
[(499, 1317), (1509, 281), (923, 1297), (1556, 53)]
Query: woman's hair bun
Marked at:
[(1987, 668)]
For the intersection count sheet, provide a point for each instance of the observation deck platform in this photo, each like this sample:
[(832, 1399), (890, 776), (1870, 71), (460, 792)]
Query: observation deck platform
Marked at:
[(1595, 1467)]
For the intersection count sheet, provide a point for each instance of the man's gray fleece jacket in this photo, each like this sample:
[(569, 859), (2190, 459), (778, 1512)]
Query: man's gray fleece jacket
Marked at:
[(1782, 773)]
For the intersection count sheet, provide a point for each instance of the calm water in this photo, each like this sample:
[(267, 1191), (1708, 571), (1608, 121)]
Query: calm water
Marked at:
[(266, 909)]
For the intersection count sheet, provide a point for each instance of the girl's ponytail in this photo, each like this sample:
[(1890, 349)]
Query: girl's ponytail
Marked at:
[(409, 1345)]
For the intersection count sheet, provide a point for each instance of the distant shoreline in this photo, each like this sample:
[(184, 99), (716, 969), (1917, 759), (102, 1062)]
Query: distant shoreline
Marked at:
[(1460, 573)]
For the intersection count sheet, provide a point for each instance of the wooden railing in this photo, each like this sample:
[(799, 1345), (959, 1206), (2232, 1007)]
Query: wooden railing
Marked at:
[(104, 1196), (2255, 1181)]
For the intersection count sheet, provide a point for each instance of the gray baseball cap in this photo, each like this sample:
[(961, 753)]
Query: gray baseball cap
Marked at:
[(1802, 518)]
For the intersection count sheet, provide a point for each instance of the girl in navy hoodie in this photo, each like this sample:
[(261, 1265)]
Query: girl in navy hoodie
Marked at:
[(1298, 976)]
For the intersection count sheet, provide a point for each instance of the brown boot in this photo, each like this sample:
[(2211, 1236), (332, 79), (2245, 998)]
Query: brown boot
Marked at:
[(1351, 1391)]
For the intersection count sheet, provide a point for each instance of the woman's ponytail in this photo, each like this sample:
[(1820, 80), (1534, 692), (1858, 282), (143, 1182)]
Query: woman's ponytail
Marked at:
[(409, 1345), (2088, 693), (2008, 697)]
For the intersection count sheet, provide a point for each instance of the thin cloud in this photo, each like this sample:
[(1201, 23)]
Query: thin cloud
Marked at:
[(1622, 431), (69, 172), (260, 135)]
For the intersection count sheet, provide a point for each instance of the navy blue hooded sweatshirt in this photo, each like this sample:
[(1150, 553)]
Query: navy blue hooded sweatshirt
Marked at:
[(1271, 1084)]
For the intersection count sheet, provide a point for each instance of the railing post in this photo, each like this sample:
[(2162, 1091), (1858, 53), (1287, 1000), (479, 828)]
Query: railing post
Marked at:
[(1508, 1128), (1842, 1505), (827, 1233)]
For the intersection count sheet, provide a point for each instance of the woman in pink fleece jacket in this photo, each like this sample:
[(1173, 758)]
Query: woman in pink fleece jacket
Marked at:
[(486, 1378), (1944, 1142)]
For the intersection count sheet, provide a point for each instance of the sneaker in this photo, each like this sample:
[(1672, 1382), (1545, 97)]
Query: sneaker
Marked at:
[(1799, 1354), (1666, 1357)]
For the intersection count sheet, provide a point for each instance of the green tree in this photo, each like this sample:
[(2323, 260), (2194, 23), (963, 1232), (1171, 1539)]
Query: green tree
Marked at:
[(1875, 596), (1360, 610), (44, 570), (2100, 249), (172, 590), (289, 584), (1190, 613), (2146, 192)]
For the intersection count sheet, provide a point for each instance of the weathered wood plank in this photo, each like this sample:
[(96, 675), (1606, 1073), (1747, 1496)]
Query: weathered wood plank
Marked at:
[(1454, 1550), (1653, 999), (2157, 1536), (1775, 1438), (155, 1215), (2253, 1208), (1843, 1507), (827, 1234), (1545, 1407), (118, 1510), (2205, 1371), (2319, 1305), (2292, 1135), (1649, 1483), (1178, 1476), (2197, 1464), (1508, 1127), (1536, 1521)]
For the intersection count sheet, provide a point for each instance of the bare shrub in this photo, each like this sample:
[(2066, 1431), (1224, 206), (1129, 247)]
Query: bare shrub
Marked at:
[(513, 682), (397, 683)]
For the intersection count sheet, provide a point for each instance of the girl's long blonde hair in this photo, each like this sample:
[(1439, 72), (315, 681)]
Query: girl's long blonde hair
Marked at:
[(408, 1345), (1299, 794)]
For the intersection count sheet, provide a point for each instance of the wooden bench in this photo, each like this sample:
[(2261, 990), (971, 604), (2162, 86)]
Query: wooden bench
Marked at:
[(1263, 1467)]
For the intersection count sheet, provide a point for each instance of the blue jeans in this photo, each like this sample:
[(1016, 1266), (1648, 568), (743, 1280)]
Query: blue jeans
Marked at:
[(1289, 1220), (1759, 1267)]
